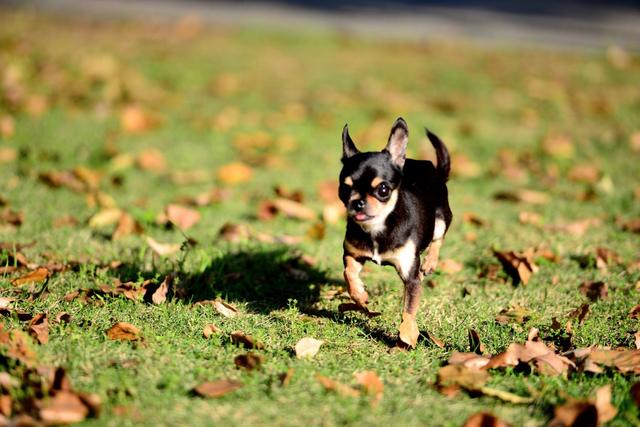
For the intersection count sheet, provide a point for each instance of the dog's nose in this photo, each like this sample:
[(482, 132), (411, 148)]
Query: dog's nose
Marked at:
[(358, 205)]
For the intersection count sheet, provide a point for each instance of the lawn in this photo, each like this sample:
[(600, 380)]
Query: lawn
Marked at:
[(223, 145)]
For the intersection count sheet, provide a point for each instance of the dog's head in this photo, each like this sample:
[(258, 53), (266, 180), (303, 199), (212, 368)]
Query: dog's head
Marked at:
[(369, 182)]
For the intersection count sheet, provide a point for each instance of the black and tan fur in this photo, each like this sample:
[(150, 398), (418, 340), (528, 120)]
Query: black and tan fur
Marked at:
[(397, 208)]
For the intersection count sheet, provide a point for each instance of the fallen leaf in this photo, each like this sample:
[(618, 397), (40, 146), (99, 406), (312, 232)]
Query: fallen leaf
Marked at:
[(580, 313), (631, 225), (248, 361), (19, 346), (123, 332), (606, 257), (225, 309), (334, 212), (184, 218), (515, 314), (151, 160), (105, 217), (217, 388), (475, 344), (524, 196), (473, 219), (450, 266), (559, 146), (65, 407), (7, 129), (517, 265), (294, 209), (337, 387), (577, 228), (437, 341), (307, 347), (63, 317), (163, 249), (247, 341), (452, 378), (39, 328), (484, 419), (594, 290), (158, 294), (285, 377), (127, 225), (234, 173), (624, 360), (589, 412), (532, 218), (372, 385), (585, 172), (65, 221), (234, 232), (210, 329), (37, 275), (9, 216), (5, 302), (135, 119)]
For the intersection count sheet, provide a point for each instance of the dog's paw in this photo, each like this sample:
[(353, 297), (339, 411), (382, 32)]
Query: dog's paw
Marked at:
[(429, 265)]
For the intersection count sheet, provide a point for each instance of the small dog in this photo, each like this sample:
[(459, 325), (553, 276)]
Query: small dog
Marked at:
[(396, 208)]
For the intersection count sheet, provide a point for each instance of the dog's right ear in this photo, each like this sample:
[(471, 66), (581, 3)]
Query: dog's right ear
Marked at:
[(348, 147)]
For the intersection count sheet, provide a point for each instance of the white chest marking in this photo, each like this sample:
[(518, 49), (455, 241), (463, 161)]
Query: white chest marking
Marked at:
[(439, 229), (402, 258), (376, 256)]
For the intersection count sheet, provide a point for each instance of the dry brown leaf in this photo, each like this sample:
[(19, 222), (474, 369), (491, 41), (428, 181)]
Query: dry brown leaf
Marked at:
[(631, 225), (39, 328), (452, 378), (515, 314), (37, 275), (9, 216), (334, 212), (123, 331), (5, 302), (19, 346), (634, 313), (525, 196), (606, 257), (559, 146), (127, 225), (606, 411), (592, 412), (337, 387), (473, 219), (248, 361), (151, 160), (464, 167), (285, 377), (408, 330), (372, 385), (210, 329), (234, 232), (328, 191), (307, 347), (517, 265), (585, 172), (247, 341), (624, 360), (475, 344), (163, 249), (135, 119), (580, 313), (435, 340), (531, 218), (183, 217), (234, 173), (65, 407), (484, 419), (217, 388), (594, 290), (105, 217), (294, 209), (63, 317), (225, 309), (450, 266), (159, 294), (8, 154), (65, 221), (7, 129)]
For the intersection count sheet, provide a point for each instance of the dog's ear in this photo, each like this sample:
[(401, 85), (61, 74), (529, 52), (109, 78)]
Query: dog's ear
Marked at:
[(348, 147), (398, 139)]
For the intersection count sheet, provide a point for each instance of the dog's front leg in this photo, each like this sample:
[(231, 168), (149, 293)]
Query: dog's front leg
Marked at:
[(409, 270), (352, 269)]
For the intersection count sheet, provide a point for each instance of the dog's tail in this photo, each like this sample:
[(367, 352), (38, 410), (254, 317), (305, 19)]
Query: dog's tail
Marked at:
[(442, 155)]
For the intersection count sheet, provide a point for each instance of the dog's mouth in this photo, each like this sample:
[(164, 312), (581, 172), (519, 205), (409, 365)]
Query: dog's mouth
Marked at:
[(361, 217)]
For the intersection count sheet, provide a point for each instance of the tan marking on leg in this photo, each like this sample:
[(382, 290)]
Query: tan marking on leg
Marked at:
[(430, 261), (408, 330), (352, 269), (376, 181), (355, 252), (349, 181)]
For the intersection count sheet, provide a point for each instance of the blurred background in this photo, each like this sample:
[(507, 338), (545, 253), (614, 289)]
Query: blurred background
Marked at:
[(573, 23)]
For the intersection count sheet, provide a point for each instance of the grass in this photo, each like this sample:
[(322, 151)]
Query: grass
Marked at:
[(209, 90)]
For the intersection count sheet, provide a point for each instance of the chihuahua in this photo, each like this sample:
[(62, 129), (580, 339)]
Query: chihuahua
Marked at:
[(396, 209)]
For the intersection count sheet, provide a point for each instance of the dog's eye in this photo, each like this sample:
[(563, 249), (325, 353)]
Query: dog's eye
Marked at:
[(382, 190)]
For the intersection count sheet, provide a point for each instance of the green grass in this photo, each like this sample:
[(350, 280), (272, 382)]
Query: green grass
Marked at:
[(300, 89)]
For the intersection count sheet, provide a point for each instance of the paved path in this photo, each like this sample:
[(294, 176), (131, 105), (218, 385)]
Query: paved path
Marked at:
[(568, 25)]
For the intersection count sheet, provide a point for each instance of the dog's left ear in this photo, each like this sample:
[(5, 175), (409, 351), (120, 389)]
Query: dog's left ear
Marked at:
[(398, 139), (348, 147)]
